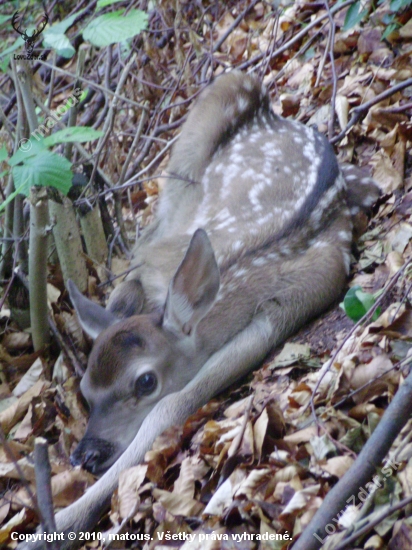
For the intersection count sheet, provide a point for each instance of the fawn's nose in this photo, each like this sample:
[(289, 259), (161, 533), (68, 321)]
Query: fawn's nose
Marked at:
[(91, 454)]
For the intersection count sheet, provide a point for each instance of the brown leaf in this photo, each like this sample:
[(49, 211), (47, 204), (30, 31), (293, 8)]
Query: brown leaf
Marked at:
[(14, 523), (224, 494), (29, 378), (337, 465), (180, 501), (16, 341), (384, 172), (368, 374), (17, 410), (406, 30), (259, 432), (67, 486), (130, 482)]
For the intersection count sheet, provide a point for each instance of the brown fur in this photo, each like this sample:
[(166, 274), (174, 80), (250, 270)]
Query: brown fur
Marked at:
[(273, 251)]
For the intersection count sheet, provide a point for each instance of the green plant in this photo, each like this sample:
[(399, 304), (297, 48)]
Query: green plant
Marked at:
[(41, 167), (357, 303)]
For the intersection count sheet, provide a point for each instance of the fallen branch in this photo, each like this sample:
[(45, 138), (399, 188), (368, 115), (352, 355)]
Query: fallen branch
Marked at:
[(368, 315), (386, 512), (297, 37), (363, 469), (43, 488), (360, 111)]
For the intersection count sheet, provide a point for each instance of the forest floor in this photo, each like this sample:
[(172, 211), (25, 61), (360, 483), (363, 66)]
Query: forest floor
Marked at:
[(262, 456)]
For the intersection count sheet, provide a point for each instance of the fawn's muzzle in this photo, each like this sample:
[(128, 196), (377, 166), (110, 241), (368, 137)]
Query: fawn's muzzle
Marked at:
[(92, 454)]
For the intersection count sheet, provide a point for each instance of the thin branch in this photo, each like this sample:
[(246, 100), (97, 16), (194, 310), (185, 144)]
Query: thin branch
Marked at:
[(138, 134), (92, 84), (234, 25), (386, 512), (336, 8), (360, 111), (361, 321), (43, 485), (362, 471), (10, 455), (331, 44)]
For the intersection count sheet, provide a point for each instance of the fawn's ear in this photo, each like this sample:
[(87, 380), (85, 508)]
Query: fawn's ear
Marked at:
[(194, 287), (93, 318), (127, 299)]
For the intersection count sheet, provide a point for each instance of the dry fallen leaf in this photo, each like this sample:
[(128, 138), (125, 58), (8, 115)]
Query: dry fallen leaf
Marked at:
[(337, 465), (17, 410), (130, 482), (29, 378)]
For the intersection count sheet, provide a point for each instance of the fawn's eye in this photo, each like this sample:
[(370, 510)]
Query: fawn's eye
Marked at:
[(145, 384)]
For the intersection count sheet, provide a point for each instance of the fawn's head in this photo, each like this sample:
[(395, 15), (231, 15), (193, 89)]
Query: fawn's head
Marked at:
[(136, 361)]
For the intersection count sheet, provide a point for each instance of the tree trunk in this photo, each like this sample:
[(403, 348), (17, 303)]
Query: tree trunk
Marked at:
[(39, 221), (7, 245), (93, 233), (68, 243)]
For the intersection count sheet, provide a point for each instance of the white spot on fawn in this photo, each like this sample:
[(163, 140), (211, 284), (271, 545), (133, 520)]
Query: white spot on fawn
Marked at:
[(258, 262), (237, 245), (240, 273), (345, 236), (242, 103), (346, 260)]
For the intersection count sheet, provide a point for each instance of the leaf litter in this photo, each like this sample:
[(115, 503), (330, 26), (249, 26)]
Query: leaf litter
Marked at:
[(252, 460)]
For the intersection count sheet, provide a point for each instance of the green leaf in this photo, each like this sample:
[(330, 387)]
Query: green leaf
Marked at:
[(4, 18), (398, 5), (357, 302), (60, 43), (4, 64), (17, 44), (389, 30), (83, 95), (43, 169), (31, 148), (112, 27), (54, 37), (78, 134), (103, 3), (353, 16), (62, 26)]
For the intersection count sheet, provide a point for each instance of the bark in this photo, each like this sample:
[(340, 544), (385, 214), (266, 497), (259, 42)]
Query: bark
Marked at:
[(39, 222), (68, 243), (363, 469), (7, 245), (18, 232), (44, 492), (93, 233)]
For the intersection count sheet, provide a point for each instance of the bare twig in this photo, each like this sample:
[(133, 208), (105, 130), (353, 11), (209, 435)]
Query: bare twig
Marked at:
[(363, 469), (92, 84), (360, 111), (234, 25), (70, 354), (137, 136), (386, 512), (44, 493), (398, 365), (298, 36), (364, 319), (331, 43), (10, 455)]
